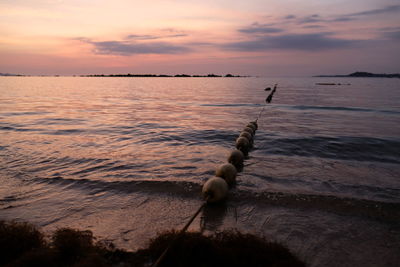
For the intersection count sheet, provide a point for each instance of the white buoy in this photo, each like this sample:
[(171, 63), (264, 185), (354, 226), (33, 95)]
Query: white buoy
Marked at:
[(243, 145), (228, 172), (215, 189), (236, 158), (248, 136), (249, 130)]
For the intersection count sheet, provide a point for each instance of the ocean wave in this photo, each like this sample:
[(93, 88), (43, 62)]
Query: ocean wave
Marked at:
[(338, 108), (231, 105), (25, 113), (59, 121), (190, 137), (386, 211), (344, 189)]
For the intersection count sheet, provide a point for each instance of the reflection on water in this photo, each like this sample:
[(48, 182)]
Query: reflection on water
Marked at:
[(125, 157)]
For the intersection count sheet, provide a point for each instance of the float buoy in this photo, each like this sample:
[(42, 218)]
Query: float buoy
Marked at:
[(236, 158), (228, 172), (255, 124), (249, 130), (215, 189), (248, 136), (243, 145), (252, 126)]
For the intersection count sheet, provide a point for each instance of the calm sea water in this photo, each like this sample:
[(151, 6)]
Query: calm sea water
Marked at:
[(126, 157)]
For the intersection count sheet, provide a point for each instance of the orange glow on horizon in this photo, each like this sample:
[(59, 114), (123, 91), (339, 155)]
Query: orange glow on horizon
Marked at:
[(56, 37)]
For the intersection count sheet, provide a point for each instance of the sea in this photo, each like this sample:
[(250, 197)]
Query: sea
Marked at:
[(126, 158)]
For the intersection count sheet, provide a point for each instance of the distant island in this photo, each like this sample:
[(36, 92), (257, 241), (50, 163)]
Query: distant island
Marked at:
[(10, 74), (159, 75), (364, 74)]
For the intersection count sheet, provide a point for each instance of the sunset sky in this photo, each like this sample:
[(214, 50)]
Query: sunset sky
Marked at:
[(252, 37)]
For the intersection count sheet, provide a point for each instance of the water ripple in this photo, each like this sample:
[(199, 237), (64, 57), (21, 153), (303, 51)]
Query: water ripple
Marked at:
[(344, 148), (341, 205), (337, 108)]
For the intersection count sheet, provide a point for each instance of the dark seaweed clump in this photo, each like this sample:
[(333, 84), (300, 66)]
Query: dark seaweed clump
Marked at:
[(228, 248), (22, 244)]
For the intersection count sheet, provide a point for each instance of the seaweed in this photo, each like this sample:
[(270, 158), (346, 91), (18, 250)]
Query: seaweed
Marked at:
[(22, 244)]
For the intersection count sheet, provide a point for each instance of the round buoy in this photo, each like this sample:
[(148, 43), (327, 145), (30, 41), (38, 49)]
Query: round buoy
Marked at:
[(243, 145), (249, 130), (255, 124), (252, 126), (228, 172), (236, 158), (215, 189), (248, 136)]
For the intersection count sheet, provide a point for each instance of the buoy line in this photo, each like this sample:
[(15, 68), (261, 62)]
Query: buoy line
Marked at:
[(216, 188)]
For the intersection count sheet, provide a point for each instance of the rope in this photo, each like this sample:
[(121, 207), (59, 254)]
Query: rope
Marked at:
[(260, 112), (179, 235)]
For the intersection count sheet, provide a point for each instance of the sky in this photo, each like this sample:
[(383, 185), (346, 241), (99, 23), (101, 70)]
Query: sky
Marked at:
[(252, 37)]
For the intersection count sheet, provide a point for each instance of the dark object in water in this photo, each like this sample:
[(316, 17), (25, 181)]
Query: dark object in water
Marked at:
[(333, 83), (326, 84), (267, 89), (269, 98), (23, 245)]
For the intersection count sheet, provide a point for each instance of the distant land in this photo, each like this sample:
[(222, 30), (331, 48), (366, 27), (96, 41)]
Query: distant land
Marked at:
[(159, 75), (364, 74), (10, 74)]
